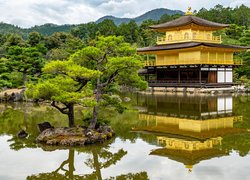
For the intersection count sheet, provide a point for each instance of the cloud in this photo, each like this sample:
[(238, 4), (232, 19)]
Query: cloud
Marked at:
[(240, 2), (26, 13)]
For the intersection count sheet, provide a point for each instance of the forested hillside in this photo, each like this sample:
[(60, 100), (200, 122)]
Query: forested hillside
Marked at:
[(46, 29), (155, 15), (24, 52)]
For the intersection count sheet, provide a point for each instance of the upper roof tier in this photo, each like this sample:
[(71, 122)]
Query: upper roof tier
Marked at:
[(187, 20)]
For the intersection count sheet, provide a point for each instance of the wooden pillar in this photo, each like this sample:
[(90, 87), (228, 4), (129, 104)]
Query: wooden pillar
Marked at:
[(147, 62), (156, 73), (200, 74), (179, 75), (147, 75)]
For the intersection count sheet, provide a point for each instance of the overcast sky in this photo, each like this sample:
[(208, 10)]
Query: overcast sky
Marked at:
[(26, 13)]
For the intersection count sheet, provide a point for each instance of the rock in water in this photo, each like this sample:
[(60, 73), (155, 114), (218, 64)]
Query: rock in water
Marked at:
[(43, 126), (126, 99), (22, 134)]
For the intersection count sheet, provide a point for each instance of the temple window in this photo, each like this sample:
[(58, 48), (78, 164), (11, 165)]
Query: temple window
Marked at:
[(208, 36), (186, 36), (170, 37), (194, 35)]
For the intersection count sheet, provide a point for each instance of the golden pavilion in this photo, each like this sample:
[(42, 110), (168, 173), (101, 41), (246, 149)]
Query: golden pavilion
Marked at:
[(189, 55)]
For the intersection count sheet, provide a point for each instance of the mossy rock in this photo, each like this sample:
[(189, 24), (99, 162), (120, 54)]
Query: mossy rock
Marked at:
[(74, 136)]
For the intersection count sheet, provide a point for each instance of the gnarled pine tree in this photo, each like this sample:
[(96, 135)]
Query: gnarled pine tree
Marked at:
[(118, 63), (68, 87)]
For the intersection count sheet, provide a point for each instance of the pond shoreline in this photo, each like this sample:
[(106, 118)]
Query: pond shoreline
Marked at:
[(234, 89)]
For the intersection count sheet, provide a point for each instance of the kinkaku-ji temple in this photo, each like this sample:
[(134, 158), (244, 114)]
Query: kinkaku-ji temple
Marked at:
[(189, 55)]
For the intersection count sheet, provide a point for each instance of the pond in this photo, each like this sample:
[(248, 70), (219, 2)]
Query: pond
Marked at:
[(170, 136)]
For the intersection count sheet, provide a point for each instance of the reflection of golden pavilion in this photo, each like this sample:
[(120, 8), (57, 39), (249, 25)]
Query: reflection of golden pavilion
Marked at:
[(189, 141), (188, 127), (195, 149), (192, 131), (187, 145)]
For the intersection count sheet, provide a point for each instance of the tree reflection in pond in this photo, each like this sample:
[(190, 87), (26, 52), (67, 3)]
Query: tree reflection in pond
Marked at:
[(101, 158), (17, 116)]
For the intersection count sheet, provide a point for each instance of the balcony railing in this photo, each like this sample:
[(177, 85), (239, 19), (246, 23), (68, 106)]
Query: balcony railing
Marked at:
[(177, 62), (200, 38), (204, 84)]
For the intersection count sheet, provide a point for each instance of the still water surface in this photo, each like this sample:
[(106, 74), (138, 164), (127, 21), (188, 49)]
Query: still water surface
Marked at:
[(173, 137)]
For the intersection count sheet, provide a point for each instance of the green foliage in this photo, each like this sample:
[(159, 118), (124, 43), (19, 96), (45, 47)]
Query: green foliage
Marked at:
[(130, 32), (8, 28), (239, 15), (112, 101), (107, 28), (49, 29), (243, 72), (119, 65), (147, 36), (115, 58), (70, 69), (34, 38), (64, 87), (167, 17), (245, 38), (28, 61), (85, 31), (60, 89), (13, 40), (58, 54), (61, 46)]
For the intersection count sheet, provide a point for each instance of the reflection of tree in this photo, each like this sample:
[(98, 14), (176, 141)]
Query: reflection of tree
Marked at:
[(101, 158), (136, 176), (70, 161), (238, 142), (108, 157), (68, 173), (26, 116)]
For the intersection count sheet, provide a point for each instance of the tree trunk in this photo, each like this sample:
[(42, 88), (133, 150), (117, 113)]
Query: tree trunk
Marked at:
[(71, 164), (95, 109), (24, 78), (97, 165), (71, 115)]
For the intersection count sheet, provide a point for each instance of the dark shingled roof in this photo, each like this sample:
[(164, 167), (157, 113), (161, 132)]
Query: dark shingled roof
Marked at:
[(188, 45), (185, 20)]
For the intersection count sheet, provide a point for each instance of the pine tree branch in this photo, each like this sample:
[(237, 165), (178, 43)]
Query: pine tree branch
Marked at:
[(62, 110)]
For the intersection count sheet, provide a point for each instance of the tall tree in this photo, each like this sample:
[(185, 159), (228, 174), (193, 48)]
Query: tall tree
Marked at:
[(14, 40), (28, 61), (118, 63), (147, 36), (107, 27), (67, 88), (129, 31), (34, 38), (4, 81)]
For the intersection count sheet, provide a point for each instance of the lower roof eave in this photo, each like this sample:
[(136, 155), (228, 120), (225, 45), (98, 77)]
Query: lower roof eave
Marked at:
[(185, 45)]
